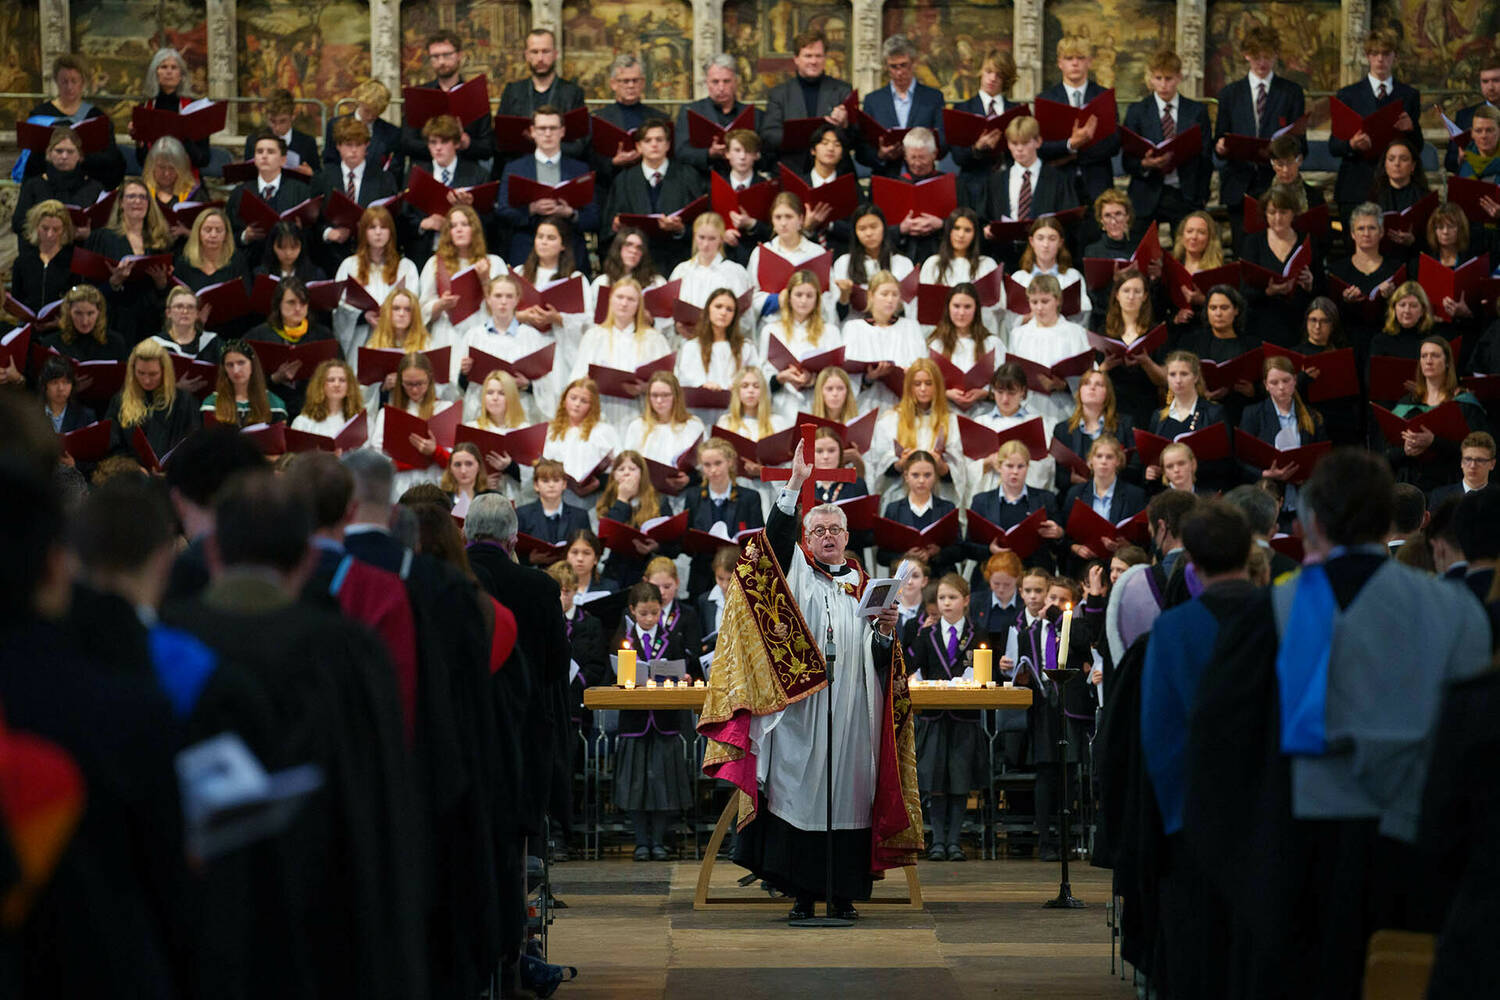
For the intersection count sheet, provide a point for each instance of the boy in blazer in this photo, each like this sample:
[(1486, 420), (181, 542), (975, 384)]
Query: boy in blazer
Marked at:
[(278, 187), (1357, 156), (443, 134), (1167, 197), (547, 163), (547, 518), (371, 99), (997, 74), (1025, 189), (356, 177), (655, 185), (1088, 165)]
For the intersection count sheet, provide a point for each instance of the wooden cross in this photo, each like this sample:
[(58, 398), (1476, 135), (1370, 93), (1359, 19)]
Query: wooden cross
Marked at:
[(808, 499)]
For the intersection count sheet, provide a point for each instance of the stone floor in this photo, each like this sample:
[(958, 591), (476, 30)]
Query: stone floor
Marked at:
[(633, 933)]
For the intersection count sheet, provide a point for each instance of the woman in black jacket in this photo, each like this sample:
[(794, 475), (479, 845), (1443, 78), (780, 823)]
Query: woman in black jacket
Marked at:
[(43, 271), (62, 179), (151, 402)]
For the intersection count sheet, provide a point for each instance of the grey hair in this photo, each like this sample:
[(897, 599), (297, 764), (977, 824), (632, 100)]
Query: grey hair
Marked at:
[(374, 476), (1258, 506), (722, 60), (821, 510), (898, 45), (624, 60), (490, 516), (920, 137), (184, 89), (1367, 208)]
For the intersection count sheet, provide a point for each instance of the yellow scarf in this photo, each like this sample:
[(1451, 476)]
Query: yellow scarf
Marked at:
[(293, 334), (1478, 162)]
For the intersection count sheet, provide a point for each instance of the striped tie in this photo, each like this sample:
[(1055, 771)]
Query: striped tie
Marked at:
[(1168, 125), (1023, 201), (1380, 93), (349, 186), (1260, 106)]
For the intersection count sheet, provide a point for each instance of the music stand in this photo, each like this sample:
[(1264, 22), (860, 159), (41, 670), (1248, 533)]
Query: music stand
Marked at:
[(1065, 899)]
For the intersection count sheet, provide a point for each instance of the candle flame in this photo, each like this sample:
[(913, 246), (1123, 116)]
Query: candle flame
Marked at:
[(625, 644), (983, 646)]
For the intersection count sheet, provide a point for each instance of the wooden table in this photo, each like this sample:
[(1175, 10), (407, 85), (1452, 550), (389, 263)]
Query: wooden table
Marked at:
[(922, 697)]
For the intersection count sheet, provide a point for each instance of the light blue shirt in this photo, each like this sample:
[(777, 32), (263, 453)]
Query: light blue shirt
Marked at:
[(902, 104), (1102, 501), (512, 330)]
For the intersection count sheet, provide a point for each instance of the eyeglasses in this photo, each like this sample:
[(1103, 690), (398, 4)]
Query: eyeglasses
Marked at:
[(822, 531), (1475, 460)]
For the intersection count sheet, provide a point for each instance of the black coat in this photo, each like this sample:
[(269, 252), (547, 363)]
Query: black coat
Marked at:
[(1092, 169), (1355, 171), (685, 152), (785, 102), (138, 308), (532, 520), (974, 166), (1051, 193), (165, 429), (481, 132), (631, 192), (290, 190), (295, 394), (34, 283), (71, 187), (1285, 103), (107, 166), (1193, 177), (627, 117)]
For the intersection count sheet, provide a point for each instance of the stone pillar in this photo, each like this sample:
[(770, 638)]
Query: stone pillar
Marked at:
[(865, 64), (548, 14), (1191, 47), (1355, 26), (221, 57), (57, 38), (708, 40), (385, 52), (1026, 47)]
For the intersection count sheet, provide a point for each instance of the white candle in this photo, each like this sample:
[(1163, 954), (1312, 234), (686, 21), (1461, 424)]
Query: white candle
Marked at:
[(1067, 623)]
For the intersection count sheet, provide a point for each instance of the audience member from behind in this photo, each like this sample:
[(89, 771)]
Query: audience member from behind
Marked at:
[(199, 468)]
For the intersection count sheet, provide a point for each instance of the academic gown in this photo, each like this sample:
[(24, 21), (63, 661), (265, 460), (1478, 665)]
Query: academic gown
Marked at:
[(137, 307), (165, 429)]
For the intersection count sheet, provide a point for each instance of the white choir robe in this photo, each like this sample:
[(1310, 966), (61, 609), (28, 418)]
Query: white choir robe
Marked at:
[(883, 453), (700, 281), (442, 331), (328, 426), (579, 455), (804, 252), (446, 389), (600, 286), (625, 350), (663, 443), (751, 430), (405, 479), (788, 400), (959, 271), (1047, 345), (517, 491), (1040, 475), (723, 366), (573, 324), (791, 746), (901, 266), (511, 344), (1067, 279), (900, 343), (349, 326)]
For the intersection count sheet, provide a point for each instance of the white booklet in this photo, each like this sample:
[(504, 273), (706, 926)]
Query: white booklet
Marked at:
[(881, 594)]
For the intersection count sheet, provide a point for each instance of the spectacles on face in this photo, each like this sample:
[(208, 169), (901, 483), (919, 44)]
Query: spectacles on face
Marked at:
[(822, 531), (1475, 460)]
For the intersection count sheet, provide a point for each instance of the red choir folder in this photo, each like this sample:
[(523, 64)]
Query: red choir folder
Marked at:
[(1445, 421), (578, 192), (980, 442), (150, 461), (513, 132), (107, 378), (273, 354), (1068, 459), (524, 445), (860, 511), (1066, 368), (239, 172), (661, 473), (325, 295), (964, 128), (1110, 347), (930, 302), (1486, 388), (894, 379), (1468, 192), (1313, 222), (1009, 230), (700, 398), (1208, 444), (262, 291), (1176, 276), (1260, 277), (687, 314), (777, 449), (400, 425), (1256, 452), (977, 377), (527, 544), (194, 123), (661, 301), (94, 135), (373, 364), (598, 470), (1379, 125), (1456, 136), (226, 301), (613, 381), (898, 198), (841, 194), (1370, 309), (877, 134), (861, 431), (354, 433), (619, 536), (185, 213), (1389, 376), (469, 287), (343, 212), (1181, 148), (97, 267), (15, 347), (696, 542), (651, 224), (1224, 374), (1100, 272), (95, 216), (467, 102), (357, 297), (901, 537), (1019, 304), (1057, 119), (1411, 219), (1289, 546), (1089, 529), (1022, 539), (89, 443), (254, 211), (1458, 283), (781, 357), (608, 138), (565, 294), (185, 367), (703, 132), (269, 438), (1248, 147), (754, 201), (1337, 376), (429, 195), (796, 133), (774, 271), (538, 364)]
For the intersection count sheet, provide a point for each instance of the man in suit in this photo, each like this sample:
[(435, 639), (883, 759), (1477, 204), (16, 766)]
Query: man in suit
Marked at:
[(370, 101), (719, 501), (809, 94), (627, 81), (656, 186), (301, 148), (445, 53), (997, 74), (1489, 89), (721, 106), (1256, 105), (547, 518), (1478, 462), (357, 178), (903, 103), (1088, 164), (1476, 523), (1027, 188), (918, 235), (444, 137), (544, 88), (1380, 87), (275, 186), (1167, 197), (550, 165)]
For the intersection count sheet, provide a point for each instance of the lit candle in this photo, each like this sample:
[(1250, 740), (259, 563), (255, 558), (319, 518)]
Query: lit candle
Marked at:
[(630, 684), (699, 683), (651, 682), (1067, 629), (625, 666), (983, 665)]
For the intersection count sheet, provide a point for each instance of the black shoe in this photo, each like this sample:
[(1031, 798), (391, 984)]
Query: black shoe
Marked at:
[(956, 853), (1049, 852), (643, 853), (937, 853), (802, 910), (844, 910), (660, 853)]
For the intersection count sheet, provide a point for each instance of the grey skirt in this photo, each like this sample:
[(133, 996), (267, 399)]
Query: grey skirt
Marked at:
[(950, 756), (651, 773)]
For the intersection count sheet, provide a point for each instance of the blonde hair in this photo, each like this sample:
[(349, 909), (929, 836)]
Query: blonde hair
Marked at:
[(1191, 360), (1023, 128), (660, 564), (49, 209), (851, 403), (384, 334), (192, 251), (170, 149), (374, 93), (135, 405), (734, 419), (515, 411), (814, 321), (1014, 449), (1414, 290), (95, 298), (558, 428), (648, 504), (1213, 253), (679, 414), (428, 401), (316, 405), (906, 410), (878, 280), (1073, 45), (1109, 420), (643, 322)]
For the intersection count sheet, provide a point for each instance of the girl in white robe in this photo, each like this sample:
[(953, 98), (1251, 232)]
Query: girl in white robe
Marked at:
[(789, 244), (399, 327), (502, 335), (960, 260), (501, 411), (707, 271), (624, 341), (1047, 253), (550, 262), (664, 431), (804, 330), (416, 388), (921, 421), (460, 246), (375, 266), (332, 399), (750, 416), (717, 350), (884, 338), (582, 440), (962, 339)]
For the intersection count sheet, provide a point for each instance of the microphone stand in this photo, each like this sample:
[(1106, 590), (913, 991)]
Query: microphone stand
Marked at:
[(1064, 899)]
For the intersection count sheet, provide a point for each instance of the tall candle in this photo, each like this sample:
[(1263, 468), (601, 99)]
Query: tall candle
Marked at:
[(625, 666), (1067, 629), (983, 665)]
